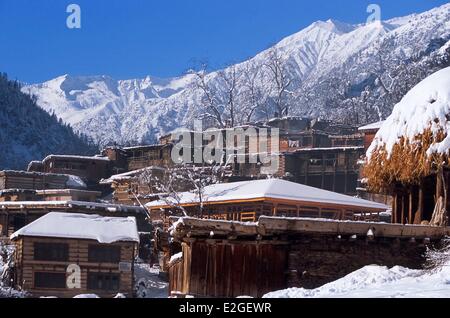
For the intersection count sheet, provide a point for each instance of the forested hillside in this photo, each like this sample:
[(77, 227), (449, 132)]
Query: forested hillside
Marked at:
[(28, 132)]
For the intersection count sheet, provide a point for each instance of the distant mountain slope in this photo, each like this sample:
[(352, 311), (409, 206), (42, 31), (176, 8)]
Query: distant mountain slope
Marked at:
[(340, 71), (28, 133)]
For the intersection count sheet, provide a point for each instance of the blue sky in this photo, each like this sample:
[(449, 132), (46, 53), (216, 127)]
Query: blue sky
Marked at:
[(134, 38)]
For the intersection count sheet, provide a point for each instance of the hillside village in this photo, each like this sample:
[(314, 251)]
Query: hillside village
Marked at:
[(130, 222), (318, 168)]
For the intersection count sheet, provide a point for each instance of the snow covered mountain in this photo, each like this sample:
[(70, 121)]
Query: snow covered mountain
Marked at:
[(29, 133), (348, 69)]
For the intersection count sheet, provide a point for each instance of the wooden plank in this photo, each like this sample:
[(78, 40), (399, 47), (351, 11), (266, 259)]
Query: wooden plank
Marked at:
[(273, 226)]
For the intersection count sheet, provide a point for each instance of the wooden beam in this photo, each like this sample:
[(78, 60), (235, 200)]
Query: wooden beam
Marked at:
[(275, 227)]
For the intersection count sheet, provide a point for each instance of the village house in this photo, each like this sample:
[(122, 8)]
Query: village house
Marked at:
[(65, 254), (128, 159), (331, 163), (214, 258), (67, 195), (130, 190), (247, 201), (335, 169), (15, 215), (23, 180), (90, 169), (369, 132)]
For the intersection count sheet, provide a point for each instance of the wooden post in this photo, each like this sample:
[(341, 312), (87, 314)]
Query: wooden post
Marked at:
[(419, 214), (438, 185), (394, 209), (323, 171), (410, 214), (275, 210), (402, 216)]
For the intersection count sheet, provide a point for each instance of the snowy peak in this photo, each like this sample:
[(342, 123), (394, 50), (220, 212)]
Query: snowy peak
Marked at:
[(338, 26), (138, 110)]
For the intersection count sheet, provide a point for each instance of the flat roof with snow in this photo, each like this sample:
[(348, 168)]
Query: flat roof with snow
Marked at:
[(276, 189), (75, 205), (75, 157), (82, 226), (129, 175), (373, 126)]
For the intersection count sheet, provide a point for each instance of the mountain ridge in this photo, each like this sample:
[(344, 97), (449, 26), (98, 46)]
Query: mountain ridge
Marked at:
[(139, 110)]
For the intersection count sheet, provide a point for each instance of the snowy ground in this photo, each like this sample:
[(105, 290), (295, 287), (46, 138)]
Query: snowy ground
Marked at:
[(6, 292), (150, 284), (379, 282)]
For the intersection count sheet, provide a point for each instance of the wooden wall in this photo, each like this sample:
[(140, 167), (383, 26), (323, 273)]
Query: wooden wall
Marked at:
[(225, 269), (32, 181), (92, 171), (78, 254), (315, 261), (231, 268)]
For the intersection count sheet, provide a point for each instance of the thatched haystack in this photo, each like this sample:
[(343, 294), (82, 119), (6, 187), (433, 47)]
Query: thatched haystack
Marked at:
[(409, 156)]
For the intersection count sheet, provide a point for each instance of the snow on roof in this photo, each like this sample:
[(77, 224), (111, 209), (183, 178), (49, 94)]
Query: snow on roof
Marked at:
[(75, 182), (72, 181), (274, 189), (373, 126), (98, 158), (66, 191), (329, 149), (128, 175), (426, 106), (71, 204), (82, 226), (15, 191), (144, 147)]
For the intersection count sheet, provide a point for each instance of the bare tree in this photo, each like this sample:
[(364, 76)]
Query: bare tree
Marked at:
[(177, 180), (220, 95), (229, 94), (280, 80), (212, 108), (255, 99)]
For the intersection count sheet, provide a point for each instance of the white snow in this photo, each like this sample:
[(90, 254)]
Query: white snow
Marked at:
[(175, 258), (427, 105), (271, 188), (98, 158), (75, 182), (72, 204), (149, 284), (86, 296), (379, 282), (82, 226), (372, 126), (128, 110), (129, 174)]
